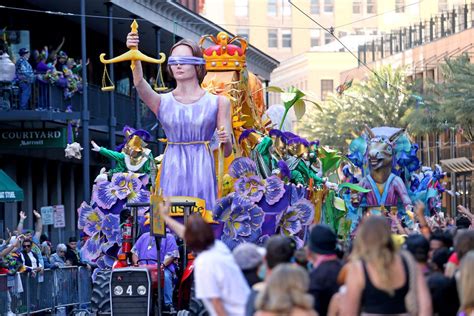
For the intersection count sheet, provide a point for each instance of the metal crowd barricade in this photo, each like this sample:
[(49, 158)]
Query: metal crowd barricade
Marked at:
[(41, 293), (84, 286), (19, 289), (52, 290), (4, 295), (66, 286)]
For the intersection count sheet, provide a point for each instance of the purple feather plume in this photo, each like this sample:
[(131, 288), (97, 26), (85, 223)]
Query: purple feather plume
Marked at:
[(245, 134)]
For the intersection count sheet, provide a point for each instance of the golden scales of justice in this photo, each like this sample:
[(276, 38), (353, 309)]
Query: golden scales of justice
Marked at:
[(132, 55)]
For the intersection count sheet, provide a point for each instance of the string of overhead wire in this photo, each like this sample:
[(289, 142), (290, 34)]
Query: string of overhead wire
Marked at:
[(60, 13), (331, 32)]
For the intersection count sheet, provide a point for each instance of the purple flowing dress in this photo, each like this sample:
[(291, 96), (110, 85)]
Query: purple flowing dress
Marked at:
[(188, 166)]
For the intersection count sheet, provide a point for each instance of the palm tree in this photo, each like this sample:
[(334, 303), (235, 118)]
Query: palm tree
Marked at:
[(447, 104), (382, 100)]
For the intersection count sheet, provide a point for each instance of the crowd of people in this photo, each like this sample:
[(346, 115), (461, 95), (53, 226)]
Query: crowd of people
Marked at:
[(31, 251), (427, 271), (382, 271), (46, 69)]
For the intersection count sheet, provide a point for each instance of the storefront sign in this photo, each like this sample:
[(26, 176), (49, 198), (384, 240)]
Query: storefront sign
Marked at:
[(59, 216), (47, 215), (33, 138)]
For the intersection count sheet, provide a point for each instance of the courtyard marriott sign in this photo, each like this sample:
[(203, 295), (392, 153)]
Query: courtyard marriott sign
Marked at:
[(33, 138)]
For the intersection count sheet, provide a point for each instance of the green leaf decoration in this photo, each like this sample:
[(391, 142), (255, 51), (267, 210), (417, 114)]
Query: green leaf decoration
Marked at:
[(288, 98), (314, 103), (339, 204), (299, 108), (330, 159), (353, 187), (275, 89), (329, 209), (298, 92)]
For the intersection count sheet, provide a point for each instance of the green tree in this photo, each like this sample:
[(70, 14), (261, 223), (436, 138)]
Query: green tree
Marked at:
[(448, 104), (381, 100)]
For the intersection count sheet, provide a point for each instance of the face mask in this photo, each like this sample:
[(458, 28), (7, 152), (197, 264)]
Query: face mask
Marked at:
[(262, 272)]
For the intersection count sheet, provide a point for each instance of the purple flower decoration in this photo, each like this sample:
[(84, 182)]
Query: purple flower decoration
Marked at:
[(104, 194), (90, 219), (297, 193), (223, 206), (289, 222), (305, 210), (242, 166), (105, 262), (242, 221), (110, 228), (106, 246), (83, 209), (252, 187), (298, 215), (126, 183), (245, 134), (274, 190), (141, 196), (92, 248)]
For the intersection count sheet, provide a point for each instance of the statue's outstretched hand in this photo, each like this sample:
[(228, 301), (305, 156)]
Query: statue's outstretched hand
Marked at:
[(95, 147), (132, 40)]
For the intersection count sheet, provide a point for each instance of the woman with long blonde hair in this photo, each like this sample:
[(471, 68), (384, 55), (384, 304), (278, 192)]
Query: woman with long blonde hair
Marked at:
[(466, 286), (381, 280), (286, 293)]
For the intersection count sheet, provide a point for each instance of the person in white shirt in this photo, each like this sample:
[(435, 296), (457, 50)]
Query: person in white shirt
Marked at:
[(219, 282), (30, 259)]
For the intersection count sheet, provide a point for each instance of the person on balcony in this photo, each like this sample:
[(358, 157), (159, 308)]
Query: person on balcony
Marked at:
[(25, 77)]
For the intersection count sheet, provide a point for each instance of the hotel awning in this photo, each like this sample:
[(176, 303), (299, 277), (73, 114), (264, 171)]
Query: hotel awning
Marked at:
[(457, 165), (9, 190)]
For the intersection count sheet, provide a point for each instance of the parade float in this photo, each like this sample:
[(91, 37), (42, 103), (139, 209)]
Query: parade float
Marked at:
[(275, 182)]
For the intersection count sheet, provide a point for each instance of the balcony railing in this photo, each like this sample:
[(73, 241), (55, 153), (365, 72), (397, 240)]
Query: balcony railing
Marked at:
[(47, 97), (442, 25)]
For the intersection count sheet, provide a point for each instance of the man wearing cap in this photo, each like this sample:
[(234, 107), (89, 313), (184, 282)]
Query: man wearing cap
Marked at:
[(249, 257), (25, 76), (326, 267)]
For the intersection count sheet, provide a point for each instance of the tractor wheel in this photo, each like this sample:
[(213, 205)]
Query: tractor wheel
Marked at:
[(100, 301)]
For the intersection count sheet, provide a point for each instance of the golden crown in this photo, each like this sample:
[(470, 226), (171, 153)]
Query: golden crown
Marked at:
[(224, 55)]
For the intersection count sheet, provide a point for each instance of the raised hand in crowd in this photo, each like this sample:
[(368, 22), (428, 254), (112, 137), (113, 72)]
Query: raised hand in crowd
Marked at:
[(394, 218), (164, 209), (38, 225), (466, 212), (19, 227), (419, 211)]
